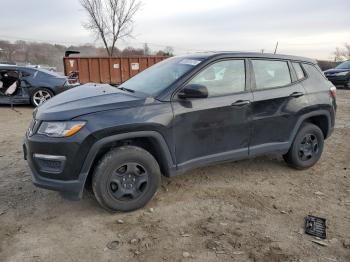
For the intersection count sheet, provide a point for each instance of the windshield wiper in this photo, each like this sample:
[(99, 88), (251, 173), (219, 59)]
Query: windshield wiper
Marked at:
[(126, 89)]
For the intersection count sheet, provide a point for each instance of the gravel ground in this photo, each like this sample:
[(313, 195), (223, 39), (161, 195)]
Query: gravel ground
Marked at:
[(250, 210)]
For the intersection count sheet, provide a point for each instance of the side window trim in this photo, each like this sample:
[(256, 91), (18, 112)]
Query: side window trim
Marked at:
[(248, 82), (302, 68), (253, 80)]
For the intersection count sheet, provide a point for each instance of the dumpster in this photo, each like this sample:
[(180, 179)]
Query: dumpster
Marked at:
[(109, 70)]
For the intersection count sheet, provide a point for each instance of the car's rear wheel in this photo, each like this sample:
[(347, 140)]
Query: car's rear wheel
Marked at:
[(347, 86), (126, 178), (307, 147), (40, 95)]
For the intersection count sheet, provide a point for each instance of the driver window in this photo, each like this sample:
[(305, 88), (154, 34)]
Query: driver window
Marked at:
[(225, 77)]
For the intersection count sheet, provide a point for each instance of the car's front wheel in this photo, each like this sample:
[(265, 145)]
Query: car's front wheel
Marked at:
[(126, 178), (40, 95), (347, 85), (306, 148)]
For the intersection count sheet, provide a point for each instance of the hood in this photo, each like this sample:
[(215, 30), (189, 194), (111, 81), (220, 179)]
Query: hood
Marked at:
[(85, 99), (334, 71)]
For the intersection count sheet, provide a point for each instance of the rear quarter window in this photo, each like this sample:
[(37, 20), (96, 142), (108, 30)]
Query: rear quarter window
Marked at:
[(314, 73)]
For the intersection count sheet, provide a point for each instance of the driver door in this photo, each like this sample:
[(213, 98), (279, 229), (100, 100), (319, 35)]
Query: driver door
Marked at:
[(216, 128)]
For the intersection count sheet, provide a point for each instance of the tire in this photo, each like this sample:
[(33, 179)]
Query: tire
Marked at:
[(40, 95), (347, 85), (126, 179), (307, 147)]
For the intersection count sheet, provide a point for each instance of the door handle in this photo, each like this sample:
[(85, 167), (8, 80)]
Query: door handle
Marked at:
[(296, 94), (241, 103)]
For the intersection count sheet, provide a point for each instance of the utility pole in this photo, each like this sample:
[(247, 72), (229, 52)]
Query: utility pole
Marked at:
[(276, 48)]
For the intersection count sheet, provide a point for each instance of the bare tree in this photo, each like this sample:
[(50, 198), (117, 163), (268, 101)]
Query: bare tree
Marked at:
[(110, 20), (343, 53)]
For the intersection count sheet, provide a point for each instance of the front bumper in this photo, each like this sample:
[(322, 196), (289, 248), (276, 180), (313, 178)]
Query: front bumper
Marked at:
[(56, 163), (72, 189)]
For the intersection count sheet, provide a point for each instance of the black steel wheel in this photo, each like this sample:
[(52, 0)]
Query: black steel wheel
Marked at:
[(306, 148), (126, 178), (128, 181)]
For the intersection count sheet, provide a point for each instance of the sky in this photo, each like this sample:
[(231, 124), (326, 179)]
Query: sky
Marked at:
[(312, 28)]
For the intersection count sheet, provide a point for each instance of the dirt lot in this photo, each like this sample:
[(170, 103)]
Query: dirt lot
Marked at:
[(250, 210)]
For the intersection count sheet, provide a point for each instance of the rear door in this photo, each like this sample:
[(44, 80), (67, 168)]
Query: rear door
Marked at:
[(278, 98), (216, 128)]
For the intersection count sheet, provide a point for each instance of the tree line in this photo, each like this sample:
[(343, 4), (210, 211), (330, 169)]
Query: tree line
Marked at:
[(24, 53)]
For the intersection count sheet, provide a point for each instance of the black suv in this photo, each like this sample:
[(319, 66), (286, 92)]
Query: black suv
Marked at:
[(182, 113)]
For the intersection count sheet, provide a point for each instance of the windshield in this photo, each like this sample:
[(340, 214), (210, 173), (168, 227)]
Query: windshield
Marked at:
[(344, 65), (161, 75)]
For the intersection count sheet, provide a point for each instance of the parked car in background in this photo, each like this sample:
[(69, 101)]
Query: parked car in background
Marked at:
[(340, 75), (182, 113), (7, 63), (46, 67), (26, 85)]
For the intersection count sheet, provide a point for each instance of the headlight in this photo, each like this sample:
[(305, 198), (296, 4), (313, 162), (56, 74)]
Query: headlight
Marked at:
[(341, 74), (60, 129)]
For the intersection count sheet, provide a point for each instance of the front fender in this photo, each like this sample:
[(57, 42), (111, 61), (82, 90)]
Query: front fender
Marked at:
[(97, 146)]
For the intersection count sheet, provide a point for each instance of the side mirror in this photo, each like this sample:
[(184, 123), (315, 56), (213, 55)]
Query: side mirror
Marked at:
[(193, 91)]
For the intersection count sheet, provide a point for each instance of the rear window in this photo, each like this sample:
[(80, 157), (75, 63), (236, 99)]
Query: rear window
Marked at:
[(270, 73), (299, 71)]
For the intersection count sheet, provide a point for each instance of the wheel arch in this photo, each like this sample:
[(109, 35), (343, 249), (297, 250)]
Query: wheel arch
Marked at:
[(151, 141), (320, 118)]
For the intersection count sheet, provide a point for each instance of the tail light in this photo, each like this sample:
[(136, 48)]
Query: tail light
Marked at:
[(333, 91)]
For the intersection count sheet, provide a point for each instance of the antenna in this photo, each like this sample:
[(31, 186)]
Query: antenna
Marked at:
[(276, 48)]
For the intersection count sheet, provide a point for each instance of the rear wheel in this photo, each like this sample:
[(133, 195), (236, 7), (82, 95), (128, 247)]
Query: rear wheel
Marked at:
[(347, 85), (307, 147), (40, 95), (126, 179)]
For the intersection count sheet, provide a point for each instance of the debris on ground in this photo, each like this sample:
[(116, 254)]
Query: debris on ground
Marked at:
[(315, 226), (113, 245), (319, 242), (186, 254), (120, 221), (237, 253), (319, 193), (134, 241), (346, 244)]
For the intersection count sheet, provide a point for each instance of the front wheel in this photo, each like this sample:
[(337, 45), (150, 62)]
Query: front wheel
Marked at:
[(307, 147), (126, 178), (40, 95)]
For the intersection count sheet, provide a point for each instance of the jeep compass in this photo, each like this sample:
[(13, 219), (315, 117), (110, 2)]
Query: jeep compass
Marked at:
[(182, 113)]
